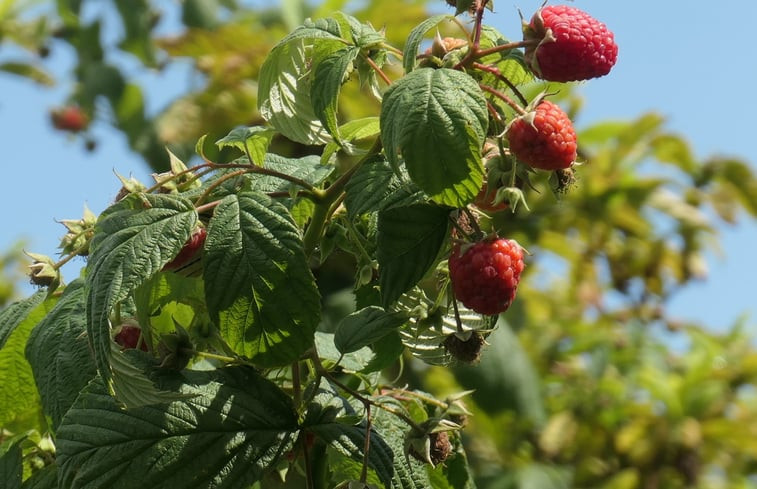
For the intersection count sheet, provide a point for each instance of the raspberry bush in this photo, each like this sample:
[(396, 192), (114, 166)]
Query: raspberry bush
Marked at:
[(194, 349)]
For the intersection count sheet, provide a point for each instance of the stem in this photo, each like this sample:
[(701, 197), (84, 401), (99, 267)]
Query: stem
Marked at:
[(214, 356), (495, 71), (308, 467), (517, 108), (378, 70), (321, 370), (216, 184), (457, 315), (327, 198), (394, 50), (296, 384), (505, 47), (367, 444)]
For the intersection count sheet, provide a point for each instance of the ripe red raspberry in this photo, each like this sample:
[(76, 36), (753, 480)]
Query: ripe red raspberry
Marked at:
[(485, 276), (572, 45), (69, 118), (544, 138), (190, 250), (127, 336)]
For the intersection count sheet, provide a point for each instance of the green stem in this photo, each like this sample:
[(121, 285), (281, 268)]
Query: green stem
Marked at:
[(324, 205)]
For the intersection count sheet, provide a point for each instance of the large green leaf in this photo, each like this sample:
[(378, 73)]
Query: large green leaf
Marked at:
[(252, 140), (330, 70), (258, 286), (375, 186), (133, 240), (18, 393), (408, 242), (285, 82), (231, 431), (437, 120), (59, 354)]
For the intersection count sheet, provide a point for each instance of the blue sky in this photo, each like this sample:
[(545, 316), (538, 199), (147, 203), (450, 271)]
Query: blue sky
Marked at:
[(690, 62)]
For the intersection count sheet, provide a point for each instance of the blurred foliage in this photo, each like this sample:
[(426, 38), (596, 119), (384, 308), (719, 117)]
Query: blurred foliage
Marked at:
[(588, 382)]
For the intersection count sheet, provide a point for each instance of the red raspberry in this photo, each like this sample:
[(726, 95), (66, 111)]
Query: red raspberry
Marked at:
[(127, 336), (189, 251), (69, 118), (485, 200), (544, 138), (486, 275), (572, 45)]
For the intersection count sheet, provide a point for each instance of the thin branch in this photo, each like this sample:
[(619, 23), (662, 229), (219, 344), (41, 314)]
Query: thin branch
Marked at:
[(498, 74), (517, 108), (378, 70)]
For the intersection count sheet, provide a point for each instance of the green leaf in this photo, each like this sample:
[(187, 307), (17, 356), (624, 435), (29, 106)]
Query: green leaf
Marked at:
[(375, 186), (231, 430), (511, 64), (253, 140), (11, 464), (351, 362), (29, 71), (59, 355), (133, 240), (505, 379), (354, 130), (408, 242), (18, 393), (258, 285), (17, 312), (307, 168), (350, 441), (364, 327), (438, 120), (330, 70), (415, 38), (285, 81)]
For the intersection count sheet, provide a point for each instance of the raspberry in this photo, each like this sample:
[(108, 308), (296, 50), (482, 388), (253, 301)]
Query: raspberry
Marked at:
[(485, 200), (486, 275), (188, 253), (544, 138), (127, 336), (572, 45), (69, 118)]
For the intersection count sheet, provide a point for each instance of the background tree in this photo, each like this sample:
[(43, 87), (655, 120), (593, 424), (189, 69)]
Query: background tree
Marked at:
[(581, 384)]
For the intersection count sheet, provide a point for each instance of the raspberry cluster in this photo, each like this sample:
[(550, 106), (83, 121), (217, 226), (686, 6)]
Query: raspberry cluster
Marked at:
[(485, 276)]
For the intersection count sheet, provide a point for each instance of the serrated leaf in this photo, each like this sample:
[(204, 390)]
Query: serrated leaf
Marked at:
[(18, 393), (59, 355), (258, 285), (307, 168), (415, 38), (364, 327), (511, 64), (233, 421), (330, 70), (408, 242), (354, 130), (437, 119), (284, 84), (251, 140), (15, 313), (375, 186), (133, 240)]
